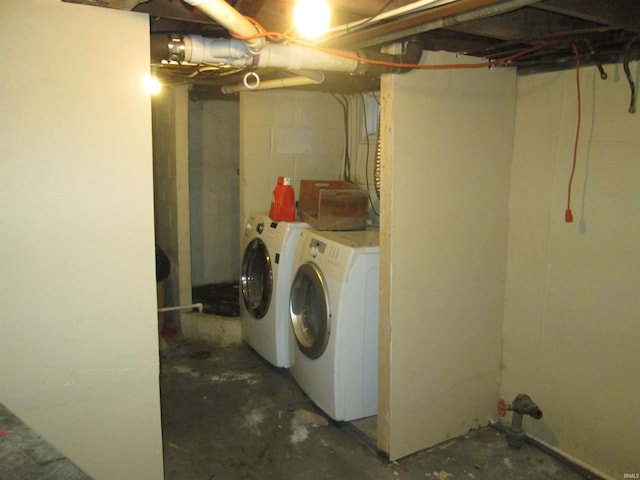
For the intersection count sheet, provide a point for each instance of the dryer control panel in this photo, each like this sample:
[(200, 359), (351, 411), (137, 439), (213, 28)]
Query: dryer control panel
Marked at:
[(326, 252), (316, 247)]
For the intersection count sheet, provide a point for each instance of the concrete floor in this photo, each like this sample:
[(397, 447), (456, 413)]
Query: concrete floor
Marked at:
[(25, 455), (227, 414)]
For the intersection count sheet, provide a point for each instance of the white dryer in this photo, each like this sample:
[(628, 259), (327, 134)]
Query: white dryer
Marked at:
[(268, 250), (334, 317)]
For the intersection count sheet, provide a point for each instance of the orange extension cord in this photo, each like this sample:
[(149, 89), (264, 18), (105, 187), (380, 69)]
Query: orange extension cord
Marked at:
[(490, 63), (568, 215), (285, 36)]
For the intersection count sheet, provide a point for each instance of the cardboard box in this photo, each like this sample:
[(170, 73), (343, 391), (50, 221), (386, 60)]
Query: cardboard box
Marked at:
[(333, 205)]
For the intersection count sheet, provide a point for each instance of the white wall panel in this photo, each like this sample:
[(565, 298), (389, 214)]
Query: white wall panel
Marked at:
[(79, 347), (447, 146)]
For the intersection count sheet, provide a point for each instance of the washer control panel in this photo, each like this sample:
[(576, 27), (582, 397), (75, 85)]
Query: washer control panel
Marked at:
[(316, 247)]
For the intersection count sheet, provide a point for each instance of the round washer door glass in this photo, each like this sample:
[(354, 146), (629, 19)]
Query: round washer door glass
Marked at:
[(309, 310), (256, 278)]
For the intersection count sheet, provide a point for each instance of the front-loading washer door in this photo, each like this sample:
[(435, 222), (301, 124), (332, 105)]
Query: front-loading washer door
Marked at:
[(256, 278), (309, 310)]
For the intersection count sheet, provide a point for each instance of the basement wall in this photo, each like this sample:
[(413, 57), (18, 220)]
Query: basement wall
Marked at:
[(572, 310), (287, 133), (171, 196), (79, 347), (214, 184)]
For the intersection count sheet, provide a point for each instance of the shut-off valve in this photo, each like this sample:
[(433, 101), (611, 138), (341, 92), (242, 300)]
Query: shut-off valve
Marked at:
[(521, 405)]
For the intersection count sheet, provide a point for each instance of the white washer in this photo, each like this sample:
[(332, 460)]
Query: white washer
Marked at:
[(334, 317), (268, 250)]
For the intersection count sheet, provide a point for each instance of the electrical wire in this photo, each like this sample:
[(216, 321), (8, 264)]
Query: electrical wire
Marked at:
[(568, 215), (368, 20), (383, 14), (277, 36), (627, 72), (346, 168), (366, 167)]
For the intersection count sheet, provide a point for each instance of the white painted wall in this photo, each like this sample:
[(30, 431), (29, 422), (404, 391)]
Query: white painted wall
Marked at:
[(447, 146), (171, 193), (287, 133), (214, 185), (571, 328), (79, 350)]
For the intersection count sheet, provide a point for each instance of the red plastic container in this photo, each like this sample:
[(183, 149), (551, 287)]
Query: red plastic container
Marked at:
[(283, 204)]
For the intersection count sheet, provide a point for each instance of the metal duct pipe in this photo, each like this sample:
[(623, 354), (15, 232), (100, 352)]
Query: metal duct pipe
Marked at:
[(296, 57), (305, 78), (396, 12), (446, 15), (232, 20), (199, 50), (220, 51), (411, 55)]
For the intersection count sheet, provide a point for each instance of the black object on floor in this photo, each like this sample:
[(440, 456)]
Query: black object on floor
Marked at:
[(218, 298)]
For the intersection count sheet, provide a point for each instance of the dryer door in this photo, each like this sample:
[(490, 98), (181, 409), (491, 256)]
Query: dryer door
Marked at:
[(256, 278), (309, 310)]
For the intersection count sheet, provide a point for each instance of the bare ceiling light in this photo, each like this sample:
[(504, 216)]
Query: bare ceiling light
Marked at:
[(311, 18), (151, 83)]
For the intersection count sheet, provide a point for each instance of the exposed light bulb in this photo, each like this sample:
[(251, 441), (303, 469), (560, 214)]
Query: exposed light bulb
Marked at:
[(311, 18), (152, 85)]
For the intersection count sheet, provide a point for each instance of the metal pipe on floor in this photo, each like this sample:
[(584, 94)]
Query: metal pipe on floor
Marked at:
[(199, 306)]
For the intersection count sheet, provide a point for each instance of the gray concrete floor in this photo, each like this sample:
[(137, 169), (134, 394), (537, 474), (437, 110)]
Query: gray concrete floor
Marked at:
[(24, 455), (227, 414)]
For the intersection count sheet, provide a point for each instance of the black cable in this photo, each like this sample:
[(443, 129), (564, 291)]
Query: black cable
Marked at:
[(347, 135), (366, 168), (346, 170), (627, 72), (372, 17)]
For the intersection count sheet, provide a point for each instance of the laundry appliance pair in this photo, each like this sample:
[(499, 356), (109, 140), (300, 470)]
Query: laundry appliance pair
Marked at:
[(310, 302)]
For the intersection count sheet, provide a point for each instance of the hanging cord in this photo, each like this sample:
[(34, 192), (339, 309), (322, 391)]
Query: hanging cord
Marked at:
[(366, 169), (347, 139), (627, 72), (346, 169), (568, 215)]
